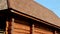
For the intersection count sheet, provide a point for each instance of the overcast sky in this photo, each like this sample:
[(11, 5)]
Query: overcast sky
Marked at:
[(53, 5)]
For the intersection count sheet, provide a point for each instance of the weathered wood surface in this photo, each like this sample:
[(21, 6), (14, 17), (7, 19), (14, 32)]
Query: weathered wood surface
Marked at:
[(32, 8), (41, 31), (19, 28), (3, 4)]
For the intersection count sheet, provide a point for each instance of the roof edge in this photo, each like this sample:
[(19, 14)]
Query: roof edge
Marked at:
[(33, 18)]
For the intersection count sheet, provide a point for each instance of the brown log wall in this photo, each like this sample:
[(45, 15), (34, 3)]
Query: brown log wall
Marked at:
[(19, 28)]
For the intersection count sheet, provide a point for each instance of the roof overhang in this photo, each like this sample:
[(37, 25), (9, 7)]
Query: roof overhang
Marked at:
[(34, 18), (33, 10)]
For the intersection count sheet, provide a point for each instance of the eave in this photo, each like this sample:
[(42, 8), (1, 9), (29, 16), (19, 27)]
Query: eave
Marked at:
[(35, 11), (31, 10), (33, 18)]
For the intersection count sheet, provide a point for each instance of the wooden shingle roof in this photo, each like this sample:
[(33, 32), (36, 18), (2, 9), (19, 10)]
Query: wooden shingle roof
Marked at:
[(34, 9)]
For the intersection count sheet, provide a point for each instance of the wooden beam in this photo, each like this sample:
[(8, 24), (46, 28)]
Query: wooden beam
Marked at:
[(6, 32), (12, 27), (32, 28), (9, 26), (56, 32)]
